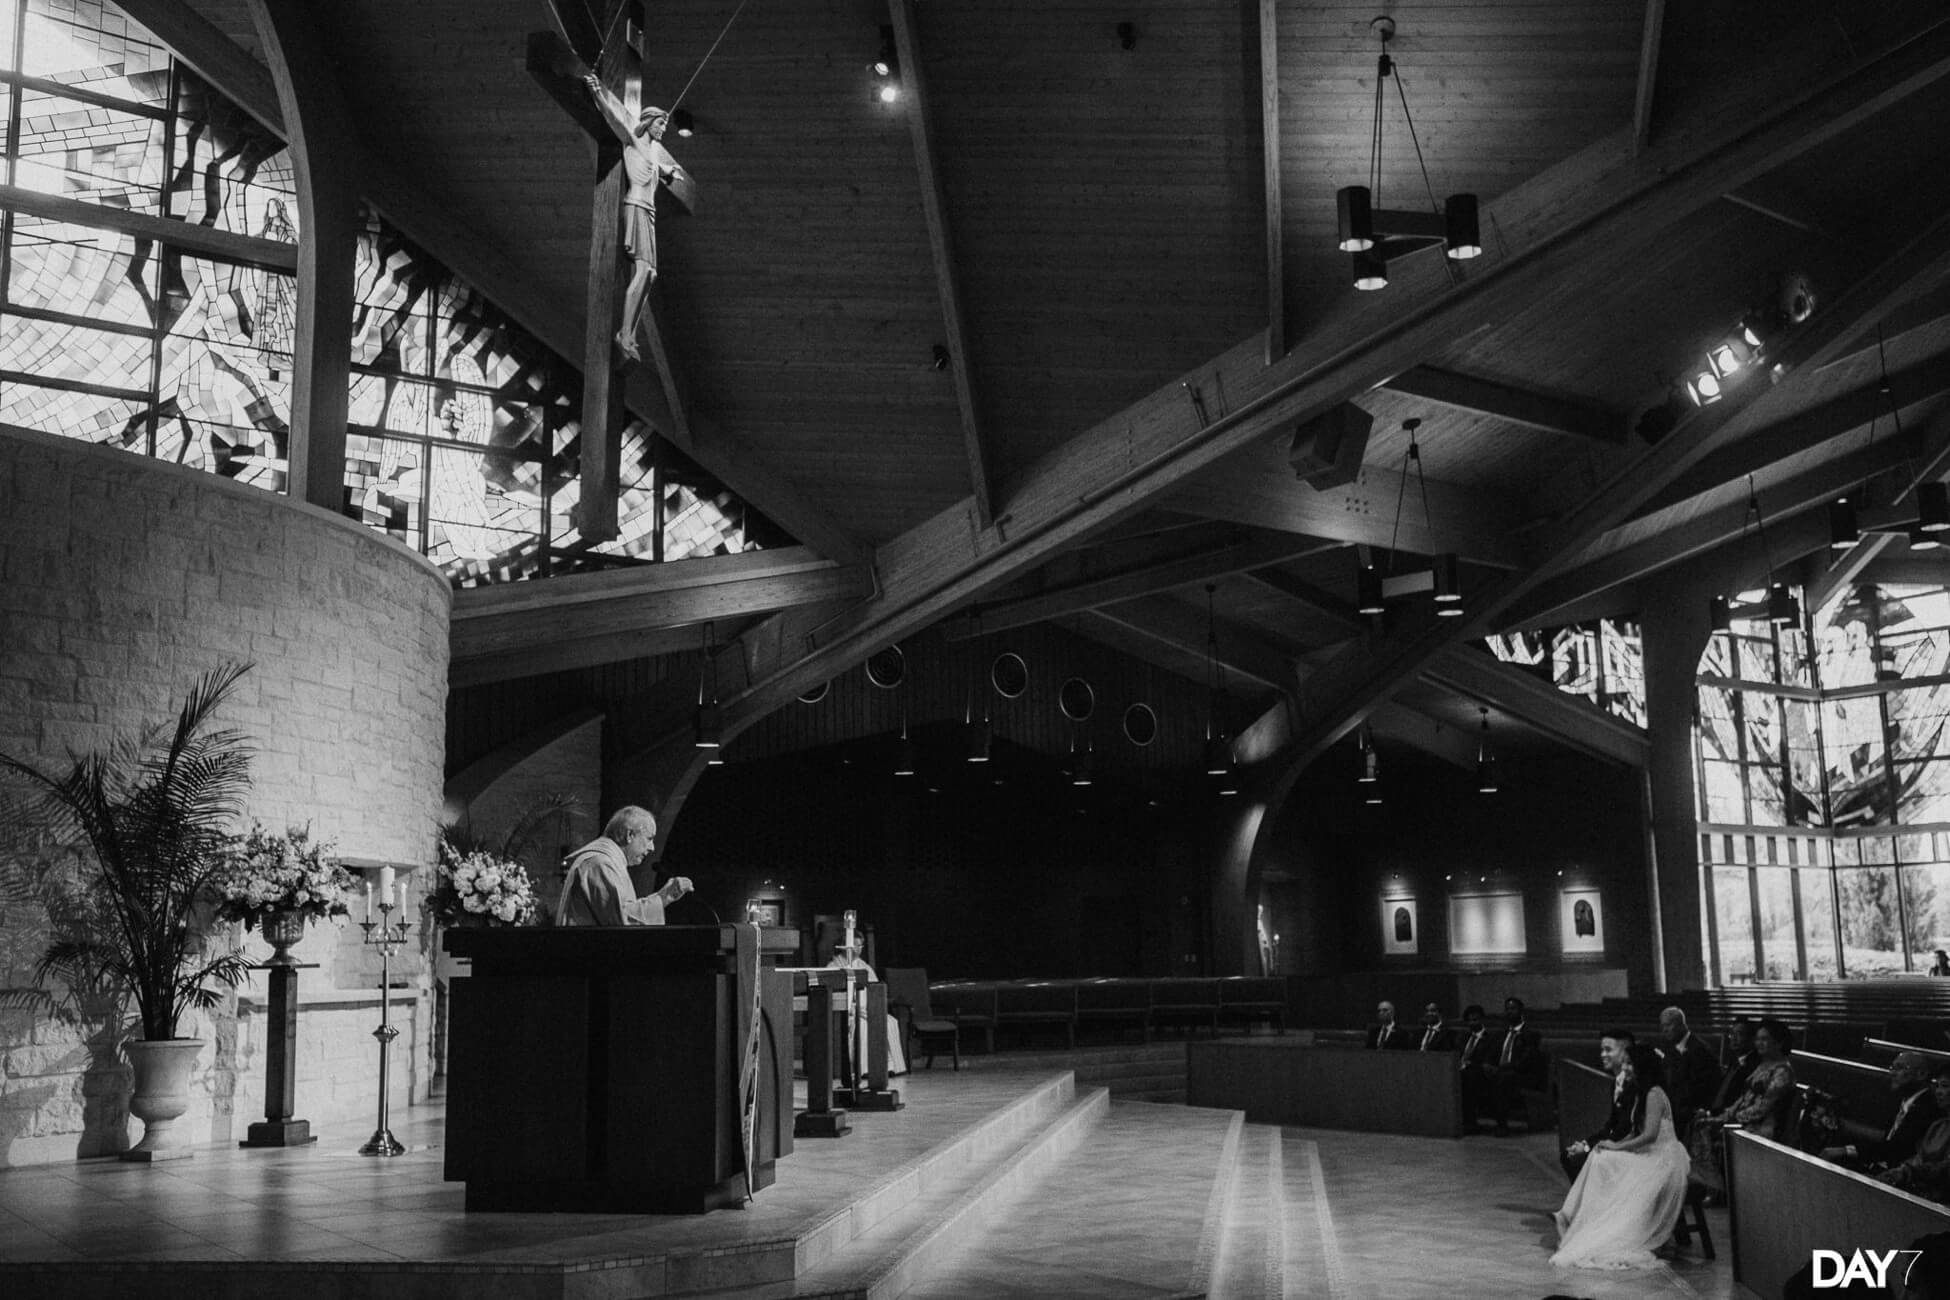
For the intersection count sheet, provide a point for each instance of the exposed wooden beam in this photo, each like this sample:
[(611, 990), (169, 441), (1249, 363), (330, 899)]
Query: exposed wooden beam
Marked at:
[(1256, 486), (1476, 676), (1507, 402), (1403, 725), (1203, 564), (1712, 528), (1807, 429), (1175, 623), (1899, 566), (1324, 604), (500, 620), (322, 147), (1269, 148), (1333, 701), (1845, 570), (1655, 23), (205, 241), (556, 656), (941, 245), (437, 226), (1578, 223)]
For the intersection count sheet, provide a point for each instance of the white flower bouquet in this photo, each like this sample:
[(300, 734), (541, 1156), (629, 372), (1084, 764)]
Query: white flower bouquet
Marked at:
[(481, 889), (270, 873)]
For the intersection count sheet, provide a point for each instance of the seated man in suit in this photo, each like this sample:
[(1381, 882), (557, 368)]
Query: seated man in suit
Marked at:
[(1520, 1064), (1692, 1075), (1477, 1064), (1434, 1036), (1612, 1047), (1916, 1110), (1385, 1034)]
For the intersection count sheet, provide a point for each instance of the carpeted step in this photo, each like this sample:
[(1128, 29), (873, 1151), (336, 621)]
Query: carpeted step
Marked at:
[(1251, 1259)]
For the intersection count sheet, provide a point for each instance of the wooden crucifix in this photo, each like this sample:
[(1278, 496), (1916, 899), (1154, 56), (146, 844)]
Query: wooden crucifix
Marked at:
[(582, 65)]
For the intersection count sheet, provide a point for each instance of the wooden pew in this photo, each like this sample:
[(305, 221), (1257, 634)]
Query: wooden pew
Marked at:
[(1039, 1002), (1283, 1080), (1784, 1205), (1863, 1091), (1253, 999), (1120, 1003)]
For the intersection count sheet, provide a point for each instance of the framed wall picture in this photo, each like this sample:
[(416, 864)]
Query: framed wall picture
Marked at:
[(1582, 913), (1486, 925), (766, 911), (1401, 932)]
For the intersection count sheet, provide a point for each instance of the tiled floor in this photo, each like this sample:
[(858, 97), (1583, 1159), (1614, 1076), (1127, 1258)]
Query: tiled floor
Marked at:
[(1366, 1217)]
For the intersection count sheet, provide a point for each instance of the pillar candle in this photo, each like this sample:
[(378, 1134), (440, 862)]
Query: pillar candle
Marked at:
[(385, 887)]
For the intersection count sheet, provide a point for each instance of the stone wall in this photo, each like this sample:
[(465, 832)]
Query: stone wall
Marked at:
[(122, 579)]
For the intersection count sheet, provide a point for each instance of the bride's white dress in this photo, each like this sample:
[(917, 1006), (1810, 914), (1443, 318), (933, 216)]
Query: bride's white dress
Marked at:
[(1623, 1205)]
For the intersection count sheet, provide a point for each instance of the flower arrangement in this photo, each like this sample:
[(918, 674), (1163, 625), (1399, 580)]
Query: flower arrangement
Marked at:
[(271, 873), (478, 884)]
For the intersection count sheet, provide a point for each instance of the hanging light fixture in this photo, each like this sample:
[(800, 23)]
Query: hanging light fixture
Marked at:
[(707, 724), (1372, 233), (1782, 606), (976, 731), (1720, 614), (1082, 767), (1844, 529), (1485, 758), (905, 758), (1933, 507), (1444, 575), (1370, 771), (1218, 752)]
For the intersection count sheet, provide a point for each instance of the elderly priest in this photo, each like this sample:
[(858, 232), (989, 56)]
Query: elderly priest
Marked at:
[(597, 889)]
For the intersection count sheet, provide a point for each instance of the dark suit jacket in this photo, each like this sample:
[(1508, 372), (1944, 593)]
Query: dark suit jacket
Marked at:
[(1526, 1056), (1483, 1056), (1736, 1080), (1900, 1143), (1445, 1039), (1692, 1079), (1403, 1039)]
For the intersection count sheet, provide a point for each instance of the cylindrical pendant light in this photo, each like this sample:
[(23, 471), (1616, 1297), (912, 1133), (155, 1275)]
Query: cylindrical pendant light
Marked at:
[(1844, 530), (1461, 237), (1356, 207)]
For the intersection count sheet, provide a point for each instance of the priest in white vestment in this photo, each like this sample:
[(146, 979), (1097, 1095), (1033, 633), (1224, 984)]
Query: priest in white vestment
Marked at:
[(597, 889)]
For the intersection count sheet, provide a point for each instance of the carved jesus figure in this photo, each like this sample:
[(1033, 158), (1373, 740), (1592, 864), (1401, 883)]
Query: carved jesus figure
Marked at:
[(649, 166)]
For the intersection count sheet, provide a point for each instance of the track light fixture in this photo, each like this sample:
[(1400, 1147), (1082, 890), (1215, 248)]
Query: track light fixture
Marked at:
[(1373, 233), (887, 68), (1485, 758), (1745, 346)]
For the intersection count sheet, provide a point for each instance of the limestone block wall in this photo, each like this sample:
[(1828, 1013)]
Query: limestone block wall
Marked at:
[(121, 579)]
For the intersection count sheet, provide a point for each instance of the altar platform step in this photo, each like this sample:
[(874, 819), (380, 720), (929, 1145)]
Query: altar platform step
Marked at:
[(322, 1223), (1132, 1072)]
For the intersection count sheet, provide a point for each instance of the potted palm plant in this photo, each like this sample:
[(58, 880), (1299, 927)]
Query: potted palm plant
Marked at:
[(140, 829)]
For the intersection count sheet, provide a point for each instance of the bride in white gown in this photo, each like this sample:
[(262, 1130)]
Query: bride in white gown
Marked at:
[(1628, 1195)]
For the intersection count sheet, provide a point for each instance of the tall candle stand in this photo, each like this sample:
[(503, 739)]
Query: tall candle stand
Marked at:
[(384, 934)]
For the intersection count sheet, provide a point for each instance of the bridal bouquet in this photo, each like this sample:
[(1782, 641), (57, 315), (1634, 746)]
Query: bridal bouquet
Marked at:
[(271, 873), (476, 887)]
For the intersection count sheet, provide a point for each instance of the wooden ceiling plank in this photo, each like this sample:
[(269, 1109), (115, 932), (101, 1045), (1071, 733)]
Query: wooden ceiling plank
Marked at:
[(435, 226), (1404, 725), (1204, 564), (1580, 218), (1476, 676), (941, 247), (1655, 22), (1320, 602), (1538, 411), (1183, 626), (1269, 126)]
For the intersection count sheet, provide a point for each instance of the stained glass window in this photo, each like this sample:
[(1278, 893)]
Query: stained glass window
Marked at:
[(1844, 751), (464, 434), (1603, 662)]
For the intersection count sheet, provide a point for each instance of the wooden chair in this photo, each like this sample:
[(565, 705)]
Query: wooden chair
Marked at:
[(1692, 1219), (907, 990)]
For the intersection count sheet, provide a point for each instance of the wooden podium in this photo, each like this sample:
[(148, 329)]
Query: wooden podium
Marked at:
[(596, 1069)]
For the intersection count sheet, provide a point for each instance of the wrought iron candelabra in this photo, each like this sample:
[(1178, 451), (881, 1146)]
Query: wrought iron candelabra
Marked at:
[(384, 934)]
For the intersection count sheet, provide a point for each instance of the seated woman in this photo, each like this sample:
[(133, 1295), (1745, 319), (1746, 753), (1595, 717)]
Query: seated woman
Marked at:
[(1629, 1193), (1927, 1173), (1762, 1106)]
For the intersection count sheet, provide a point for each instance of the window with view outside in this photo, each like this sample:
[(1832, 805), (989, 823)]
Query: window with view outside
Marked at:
[(464, 431), (1823, 779)]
